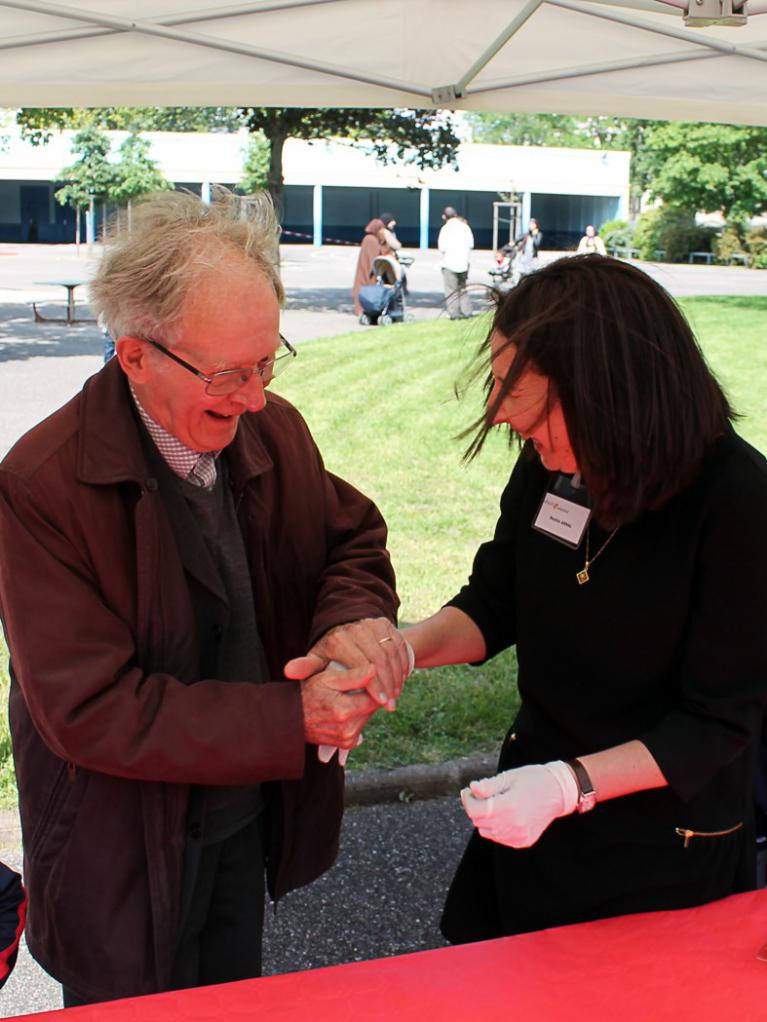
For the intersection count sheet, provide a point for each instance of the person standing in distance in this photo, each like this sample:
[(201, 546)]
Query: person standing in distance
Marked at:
[(591, 243), (169, 539), (455, 242)]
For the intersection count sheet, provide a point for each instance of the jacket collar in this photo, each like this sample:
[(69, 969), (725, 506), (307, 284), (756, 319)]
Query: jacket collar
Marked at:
[(109, 445)]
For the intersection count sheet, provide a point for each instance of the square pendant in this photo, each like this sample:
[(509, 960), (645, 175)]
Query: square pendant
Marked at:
[(582, 576)]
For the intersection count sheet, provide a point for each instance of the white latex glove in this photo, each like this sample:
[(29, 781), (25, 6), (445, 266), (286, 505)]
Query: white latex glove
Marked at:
[(515, 807), (325, 752)]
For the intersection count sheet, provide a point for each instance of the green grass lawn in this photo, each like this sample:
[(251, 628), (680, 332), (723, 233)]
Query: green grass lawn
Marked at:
[(382, 408)]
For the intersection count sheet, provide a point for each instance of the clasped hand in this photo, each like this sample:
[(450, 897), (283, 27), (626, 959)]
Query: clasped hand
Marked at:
[(515, 807), (338, 703)]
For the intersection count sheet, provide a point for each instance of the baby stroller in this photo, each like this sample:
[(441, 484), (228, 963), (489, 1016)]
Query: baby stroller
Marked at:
[(384, 302), (505, 272)]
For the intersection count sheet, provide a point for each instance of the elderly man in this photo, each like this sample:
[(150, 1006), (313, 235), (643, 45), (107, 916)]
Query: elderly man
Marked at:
[(169, 539)]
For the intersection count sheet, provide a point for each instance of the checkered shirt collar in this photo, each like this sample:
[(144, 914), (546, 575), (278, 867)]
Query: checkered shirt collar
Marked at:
[(185, 462)]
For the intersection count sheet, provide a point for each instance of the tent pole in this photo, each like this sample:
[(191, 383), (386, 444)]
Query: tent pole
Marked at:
[(605, 67), (213, 43), (584, 70), (482, 61), (237, 10), (684, 34)]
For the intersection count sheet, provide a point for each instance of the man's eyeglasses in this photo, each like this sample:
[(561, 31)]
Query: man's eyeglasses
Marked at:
[(229, 380)]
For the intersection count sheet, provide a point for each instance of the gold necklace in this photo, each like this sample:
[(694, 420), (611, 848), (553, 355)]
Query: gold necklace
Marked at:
[(583, 574)]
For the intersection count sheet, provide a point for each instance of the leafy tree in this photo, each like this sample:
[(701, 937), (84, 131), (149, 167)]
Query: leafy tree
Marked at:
[(136, 173), (37, 124), (89, 177), (5, 117), (570, 133), (707, 167), (255, 169), (527, 129), (424, 137), (710, 167)]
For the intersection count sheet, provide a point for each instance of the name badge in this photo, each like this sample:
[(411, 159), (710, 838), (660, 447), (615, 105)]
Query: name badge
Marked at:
[(562, 519)]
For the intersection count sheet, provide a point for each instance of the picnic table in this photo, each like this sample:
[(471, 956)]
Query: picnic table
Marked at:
[(700, 257), (623, 252), (71, 318), (707, 963)]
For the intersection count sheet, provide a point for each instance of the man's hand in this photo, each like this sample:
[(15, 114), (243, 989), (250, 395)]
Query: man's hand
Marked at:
[(335, 710), (515, 807), (360, 644)]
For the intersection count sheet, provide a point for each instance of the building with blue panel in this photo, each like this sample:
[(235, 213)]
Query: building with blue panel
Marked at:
[(332, 189)]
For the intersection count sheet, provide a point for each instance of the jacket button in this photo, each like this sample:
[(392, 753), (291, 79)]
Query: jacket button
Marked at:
[(217, 631), (195, 831), (152, 485)]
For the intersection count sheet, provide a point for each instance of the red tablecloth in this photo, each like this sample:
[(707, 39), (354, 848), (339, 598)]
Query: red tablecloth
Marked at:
[(696, 964)]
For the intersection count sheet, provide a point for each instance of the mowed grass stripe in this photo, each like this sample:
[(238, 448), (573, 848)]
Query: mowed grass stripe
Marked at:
[(380, 404)]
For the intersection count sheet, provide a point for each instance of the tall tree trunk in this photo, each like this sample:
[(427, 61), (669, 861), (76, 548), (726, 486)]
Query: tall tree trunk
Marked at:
[(275, 179), (275, 182)]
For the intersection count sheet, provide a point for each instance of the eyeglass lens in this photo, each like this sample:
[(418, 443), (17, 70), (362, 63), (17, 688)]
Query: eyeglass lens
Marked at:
[(230, 380)]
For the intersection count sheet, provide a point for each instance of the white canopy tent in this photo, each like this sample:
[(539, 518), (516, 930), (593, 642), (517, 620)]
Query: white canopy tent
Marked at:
[(629, 57)]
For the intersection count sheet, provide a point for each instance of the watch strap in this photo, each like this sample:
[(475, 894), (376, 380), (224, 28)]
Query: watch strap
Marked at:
[(587, 795)]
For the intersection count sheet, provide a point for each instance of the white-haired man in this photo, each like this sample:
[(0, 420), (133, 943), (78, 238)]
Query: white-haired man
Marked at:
[(169, 539)]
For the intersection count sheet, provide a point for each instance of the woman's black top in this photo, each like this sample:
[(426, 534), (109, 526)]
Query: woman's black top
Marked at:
[(667, 643)]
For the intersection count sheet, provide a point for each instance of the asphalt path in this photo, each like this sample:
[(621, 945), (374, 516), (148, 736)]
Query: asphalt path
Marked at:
[(383, 897), (44, 364)]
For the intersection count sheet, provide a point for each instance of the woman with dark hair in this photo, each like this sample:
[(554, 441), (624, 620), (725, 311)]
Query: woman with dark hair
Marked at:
[(629, 568)]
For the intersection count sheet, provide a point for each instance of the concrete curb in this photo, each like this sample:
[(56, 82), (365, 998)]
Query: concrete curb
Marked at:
[(363, 788), (422, 780)]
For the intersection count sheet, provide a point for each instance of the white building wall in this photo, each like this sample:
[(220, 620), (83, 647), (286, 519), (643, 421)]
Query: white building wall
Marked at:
[(218, 157), (327, 167)]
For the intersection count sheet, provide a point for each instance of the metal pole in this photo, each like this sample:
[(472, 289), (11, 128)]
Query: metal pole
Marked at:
[(481, 62), (213, 43), (317, 216), (424, 217)]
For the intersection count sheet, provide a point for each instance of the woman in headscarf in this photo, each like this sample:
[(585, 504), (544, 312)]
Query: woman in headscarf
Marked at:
[(371, 247)]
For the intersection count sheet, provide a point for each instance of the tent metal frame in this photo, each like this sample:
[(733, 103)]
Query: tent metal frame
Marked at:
[(168, 27)]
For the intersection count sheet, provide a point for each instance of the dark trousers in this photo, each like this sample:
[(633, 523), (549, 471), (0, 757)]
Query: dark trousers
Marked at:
[(220, 939), (457, 297)]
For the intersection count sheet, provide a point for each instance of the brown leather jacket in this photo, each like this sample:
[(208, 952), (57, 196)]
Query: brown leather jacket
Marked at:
[(109, 719)]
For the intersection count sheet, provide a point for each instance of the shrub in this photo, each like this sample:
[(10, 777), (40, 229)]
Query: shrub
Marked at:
[(617, 234), (647, 233), (728, 244), (756, 242), (760, 262), (673, 231)]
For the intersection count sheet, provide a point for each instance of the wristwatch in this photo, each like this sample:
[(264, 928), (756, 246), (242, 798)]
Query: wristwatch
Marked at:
[(587, 795)]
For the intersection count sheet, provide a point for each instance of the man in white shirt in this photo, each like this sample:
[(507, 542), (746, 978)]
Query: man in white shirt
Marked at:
[(455, 242)]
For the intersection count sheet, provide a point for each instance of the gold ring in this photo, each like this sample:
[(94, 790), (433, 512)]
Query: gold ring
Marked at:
[(386, 638)]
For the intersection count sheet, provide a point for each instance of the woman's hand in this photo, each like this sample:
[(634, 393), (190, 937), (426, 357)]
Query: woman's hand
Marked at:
[(359, 644), (515, 807)]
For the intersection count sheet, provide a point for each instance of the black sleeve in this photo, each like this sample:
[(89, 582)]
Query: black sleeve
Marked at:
[(489, 597), (723, 665)]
